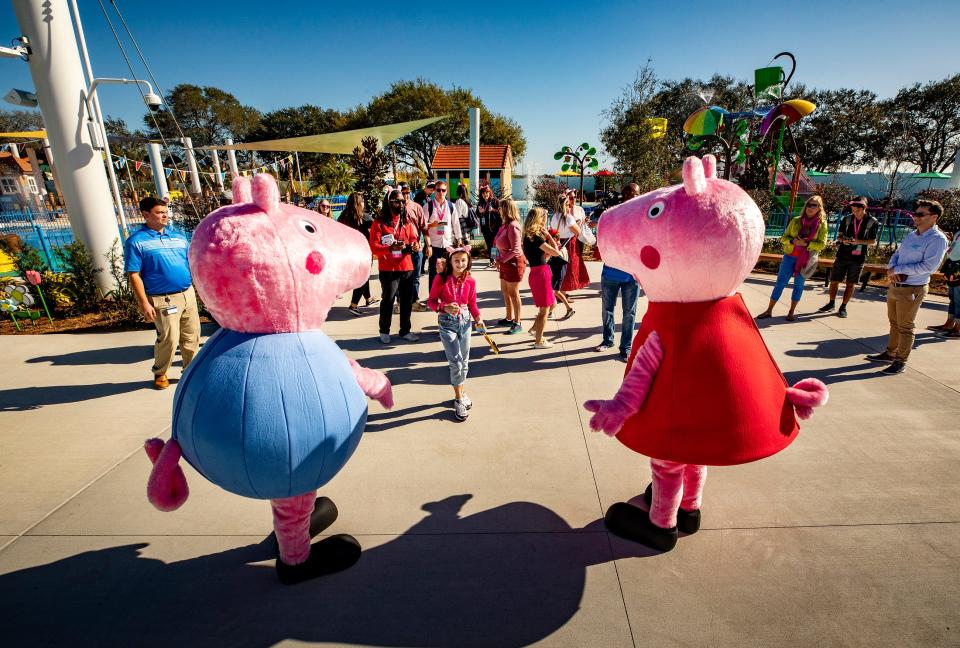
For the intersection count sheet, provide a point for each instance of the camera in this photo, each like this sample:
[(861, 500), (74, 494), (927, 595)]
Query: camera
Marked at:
[(153, 101)]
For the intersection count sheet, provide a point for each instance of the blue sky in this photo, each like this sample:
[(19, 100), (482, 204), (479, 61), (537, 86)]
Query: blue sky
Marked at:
[(551, 66)]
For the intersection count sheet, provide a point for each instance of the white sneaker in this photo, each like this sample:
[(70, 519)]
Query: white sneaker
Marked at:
[(385, 338), (466, 401), (411, 337), (543, 345), (460, 410)]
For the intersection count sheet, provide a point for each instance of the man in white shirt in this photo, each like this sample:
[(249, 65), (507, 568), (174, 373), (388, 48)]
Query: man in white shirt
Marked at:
[(443, 226)]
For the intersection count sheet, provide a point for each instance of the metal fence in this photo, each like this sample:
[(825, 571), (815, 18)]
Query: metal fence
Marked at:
[(49, 230), (894, 224)]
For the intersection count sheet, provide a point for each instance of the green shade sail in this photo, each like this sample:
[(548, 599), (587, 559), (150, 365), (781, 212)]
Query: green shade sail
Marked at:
[(343, 142)]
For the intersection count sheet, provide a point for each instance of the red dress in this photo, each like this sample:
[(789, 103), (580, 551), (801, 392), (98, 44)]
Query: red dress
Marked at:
[(576, 276), (718, 398)]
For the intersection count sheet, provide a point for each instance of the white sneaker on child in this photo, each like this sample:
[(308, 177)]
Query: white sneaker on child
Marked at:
[(460, 410), (466, 401)]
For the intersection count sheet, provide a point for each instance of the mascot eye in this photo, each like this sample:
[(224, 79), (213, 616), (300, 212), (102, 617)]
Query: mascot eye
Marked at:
[(656, 210), (308, 227)]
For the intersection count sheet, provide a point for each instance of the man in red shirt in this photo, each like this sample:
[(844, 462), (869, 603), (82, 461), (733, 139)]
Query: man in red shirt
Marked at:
[(393, 240)]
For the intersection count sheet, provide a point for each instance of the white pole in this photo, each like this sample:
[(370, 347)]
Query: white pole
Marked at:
[(474, 153), (195, 187), (296, 154), (954, 181), (216, 169), (232, 159), (156, 169), (98, 117), (58, 79)]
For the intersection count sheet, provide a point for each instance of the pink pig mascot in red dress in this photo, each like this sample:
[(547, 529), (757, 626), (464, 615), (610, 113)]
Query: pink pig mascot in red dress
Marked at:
[(700, 387)]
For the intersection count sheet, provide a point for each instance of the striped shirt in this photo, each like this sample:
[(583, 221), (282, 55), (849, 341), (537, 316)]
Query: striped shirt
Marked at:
[(160, 258)]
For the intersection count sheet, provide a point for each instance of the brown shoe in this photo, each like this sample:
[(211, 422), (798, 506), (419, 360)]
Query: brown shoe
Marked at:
[(161, 382)]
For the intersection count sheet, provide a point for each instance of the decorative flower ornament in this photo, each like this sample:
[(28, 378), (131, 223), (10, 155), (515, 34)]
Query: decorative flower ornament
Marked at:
[(20, 295)]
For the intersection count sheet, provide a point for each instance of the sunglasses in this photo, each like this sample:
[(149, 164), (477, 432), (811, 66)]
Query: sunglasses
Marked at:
[(324, 206), (441, 191), (809, 205), (396, 202), (858, 206), (921, 215)]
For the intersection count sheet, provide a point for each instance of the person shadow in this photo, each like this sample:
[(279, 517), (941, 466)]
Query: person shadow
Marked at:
[(449, 580)]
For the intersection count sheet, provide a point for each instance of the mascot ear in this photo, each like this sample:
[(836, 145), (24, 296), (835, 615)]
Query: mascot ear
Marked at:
[(265, 193), (709, 166), (694, 181), (241, 190)]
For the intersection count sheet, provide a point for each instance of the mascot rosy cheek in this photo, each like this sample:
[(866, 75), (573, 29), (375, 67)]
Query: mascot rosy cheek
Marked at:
[(271, 408), (700, 387)]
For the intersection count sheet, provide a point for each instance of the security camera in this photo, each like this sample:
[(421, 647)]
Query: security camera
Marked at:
[(22, 98), (153, 101)]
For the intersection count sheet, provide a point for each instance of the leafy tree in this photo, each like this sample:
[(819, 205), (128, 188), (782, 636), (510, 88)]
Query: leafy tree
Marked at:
[(208, 115), (334, 177), (298, 122), (922, 123), (410, 100), (547, 192), (835, 196), (627, 137), (20, 120), (370, 168), (844, 131)]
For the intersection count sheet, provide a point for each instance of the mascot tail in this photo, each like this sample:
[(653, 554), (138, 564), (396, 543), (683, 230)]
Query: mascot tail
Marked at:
[(806, 395), (167, 487)]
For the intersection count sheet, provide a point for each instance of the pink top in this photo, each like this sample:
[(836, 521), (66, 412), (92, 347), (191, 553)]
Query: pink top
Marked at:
[(450, 291), (507, 241)]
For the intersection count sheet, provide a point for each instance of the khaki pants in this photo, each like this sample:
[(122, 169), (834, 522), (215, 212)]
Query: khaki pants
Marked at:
[(182, 328), (903, 302)]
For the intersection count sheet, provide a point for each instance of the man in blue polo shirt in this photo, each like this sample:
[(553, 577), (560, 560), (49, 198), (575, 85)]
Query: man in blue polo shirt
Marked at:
[(156, 262)]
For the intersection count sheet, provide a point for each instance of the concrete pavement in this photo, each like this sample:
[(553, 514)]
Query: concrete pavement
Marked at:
[(489, 532)]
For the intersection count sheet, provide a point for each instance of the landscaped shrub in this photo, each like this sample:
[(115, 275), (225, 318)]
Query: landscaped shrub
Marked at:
[(80, 277)]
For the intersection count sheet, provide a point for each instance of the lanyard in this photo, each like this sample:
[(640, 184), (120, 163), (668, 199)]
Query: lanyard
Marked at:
[(438, 212), (457, 289), (856, 228)]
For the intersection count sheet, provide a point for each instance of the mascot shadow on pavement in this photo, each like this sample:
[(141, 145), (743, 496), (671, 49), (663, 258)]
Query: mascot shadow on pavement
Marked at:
[(448, 581)]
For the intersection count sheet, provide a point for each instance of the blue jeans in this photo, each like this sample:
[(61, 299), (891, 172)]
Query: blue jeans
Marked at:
[(629, 291), (417, 258), (455, 335), (787, 266), (953, 310)]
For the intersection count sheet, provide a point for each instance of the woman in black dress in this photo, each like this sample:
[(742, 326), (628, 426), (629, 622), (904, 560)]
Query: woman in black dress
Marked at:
[(354, 217)]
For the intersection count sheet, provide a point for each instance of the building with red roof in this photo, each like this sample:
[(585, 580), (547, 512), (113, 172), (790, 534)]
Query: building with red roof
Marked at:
[(452, 164)]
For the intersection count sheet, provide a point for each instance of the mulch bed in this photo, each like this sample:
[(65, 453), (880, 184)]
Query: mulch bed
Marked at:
[(89, 323)]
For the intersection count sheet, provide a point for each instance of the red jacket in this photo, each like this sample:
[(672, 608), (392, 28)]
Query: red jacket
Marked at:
[(405, 233), (718, 398)]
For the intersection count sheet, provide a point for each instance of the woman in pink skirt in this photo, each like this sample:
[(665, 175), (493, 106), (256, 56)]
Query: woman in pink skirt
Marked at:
[(568, 221), (538, 247)]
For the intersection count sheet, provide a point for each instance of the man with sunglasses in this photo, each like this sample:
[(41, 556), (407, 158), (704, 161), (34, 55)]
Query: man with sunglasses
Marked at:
[(918, 256), (857, 232), (443, 226)]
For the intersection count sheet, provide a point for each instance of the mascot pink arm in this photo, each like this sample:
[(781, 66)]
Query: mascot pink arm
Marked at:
[(610, 414)]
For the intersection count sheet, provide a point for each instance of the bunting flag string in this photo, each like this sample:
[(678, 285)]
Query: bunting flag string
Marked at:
[(279, 164)]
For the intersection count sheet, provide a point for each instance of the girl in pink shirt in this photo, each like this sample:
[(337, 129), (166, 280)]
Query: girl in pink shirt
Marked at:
[(454, 296)]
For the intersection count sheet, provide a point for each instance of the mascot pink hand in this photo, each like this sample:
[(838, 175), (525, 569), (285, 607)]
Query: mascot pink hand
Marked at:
[(806, 395), (374, 384), (167, 487), (610, 415)]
